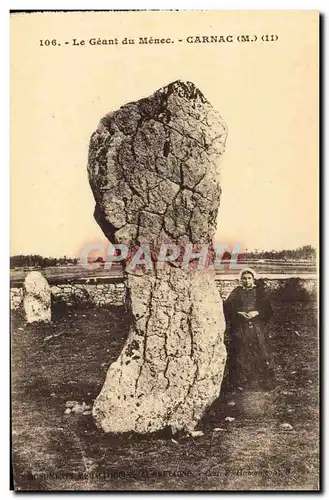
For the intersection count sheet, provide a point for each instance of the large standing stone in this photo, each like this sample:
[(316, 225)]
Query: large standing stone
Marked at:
[(36, 298), (153, 169)]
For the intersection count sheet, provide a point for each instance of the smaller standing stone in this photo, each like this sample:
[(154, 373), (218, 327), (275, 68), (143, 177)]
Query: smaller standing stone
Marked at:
[(36, 298)]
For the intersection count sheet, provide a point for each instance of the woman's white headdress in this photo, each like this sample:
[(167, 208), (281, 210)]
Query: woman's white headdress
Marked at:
[(248, 270)]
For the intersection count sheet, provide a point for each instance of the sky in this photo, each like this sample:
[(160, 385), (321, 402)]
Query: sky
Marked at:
[(267, 93)]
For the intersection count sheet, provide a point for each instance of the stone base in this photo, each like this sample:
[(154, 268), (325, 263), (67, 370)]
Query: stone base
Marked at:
[(171, 367)]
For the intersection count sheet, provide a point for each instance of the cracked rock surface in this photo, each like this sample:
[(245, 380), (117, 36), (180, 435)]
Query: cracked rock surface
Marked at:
[(154, 171)]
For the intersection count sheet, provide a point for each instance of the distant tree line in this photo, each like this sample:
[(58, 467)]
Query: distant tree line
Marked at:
[(306, 252), (39, 261)]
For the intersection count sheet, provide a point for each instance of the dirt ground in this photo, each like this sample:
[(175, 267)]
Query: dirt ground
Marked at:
[(68, 360)]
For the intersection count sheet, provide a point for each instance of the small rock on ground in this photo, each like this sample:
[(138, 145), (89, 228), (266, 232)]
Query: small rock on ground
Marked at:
[(286, 427), (196, 433), (70, 404)]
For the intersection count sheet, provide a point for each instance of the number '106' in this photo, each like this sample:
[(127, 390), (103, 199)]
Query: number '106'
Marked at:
[(46, 43)]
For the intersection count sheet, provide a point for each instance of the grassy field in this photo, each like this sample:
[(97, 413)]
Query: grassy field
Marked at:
[(78, 271), (68, 360)]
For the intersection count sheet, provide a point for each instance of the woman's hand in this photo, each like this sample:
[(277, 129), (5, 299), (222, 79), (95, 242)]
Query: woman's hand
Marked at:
[(248, 316), (244, 314)]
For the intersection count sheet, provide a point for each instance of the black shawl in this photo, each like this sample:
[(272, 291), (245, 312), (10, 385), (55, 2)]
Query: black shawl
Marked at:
[(232, 305)]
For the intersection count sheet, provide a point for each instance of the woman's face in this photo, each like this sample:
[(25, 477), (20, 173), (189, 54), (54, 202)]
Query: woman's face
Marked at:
[(247, 280)]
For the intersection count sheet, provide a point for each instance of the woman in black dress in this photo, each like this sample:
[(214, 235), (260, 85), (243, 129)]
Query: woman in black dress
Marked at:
[(247, 310)]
